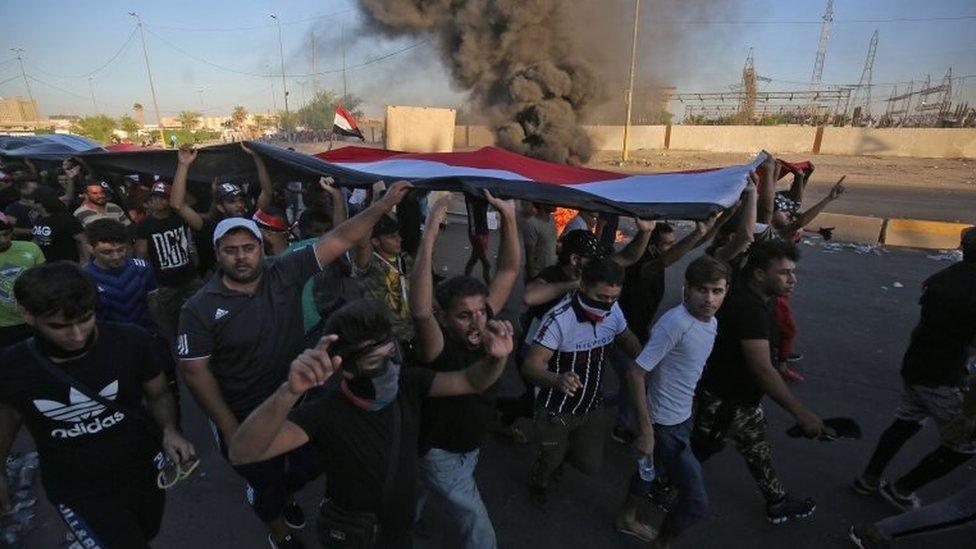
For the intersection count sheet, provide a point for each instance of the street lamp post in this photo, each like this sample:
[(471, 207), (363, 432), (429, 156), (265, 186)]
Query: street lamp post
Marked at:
[(91, 88), (630, 85), (20, 58), (281, 55), (152, 87)]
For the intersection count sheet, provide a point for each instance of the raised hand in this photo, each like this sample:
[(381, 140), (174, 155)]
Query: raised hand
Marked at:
[(313, 367), (247, 149), (838, 188), (499, 338), (328, 185), (645, 225), (186, 155), (394, 195), (568, 383), (702, 227), (438, 213), (505, 207)]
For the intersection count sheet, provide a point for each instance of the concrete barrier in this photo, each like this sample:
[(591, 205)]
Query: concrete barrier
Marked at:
[(905, 142), (744, 139), (850, 228), (419, 129), (915, 233)]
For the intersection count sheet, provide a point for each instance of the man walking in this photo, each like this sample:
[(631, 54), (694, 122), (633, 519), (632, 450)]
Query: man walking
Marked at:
[(16, 256), (675, 356), (238, 334), (934, 373), (94, 398), (740, 372), (96, 206)]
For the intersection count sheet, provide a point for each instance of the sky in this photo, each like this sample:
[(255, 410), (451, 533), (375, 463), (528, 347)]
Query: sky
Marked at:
[(209, 56)]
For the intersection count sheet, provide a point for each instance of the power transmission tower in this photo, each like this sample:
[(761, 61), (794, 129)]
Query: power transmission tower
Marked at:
[(747, 106), (818, 63), (864, 84)]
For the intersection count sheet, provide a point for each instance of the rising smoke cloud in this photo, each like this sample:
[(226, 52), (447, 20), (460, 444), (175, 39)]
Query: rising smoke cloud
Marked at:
[(518, 62)]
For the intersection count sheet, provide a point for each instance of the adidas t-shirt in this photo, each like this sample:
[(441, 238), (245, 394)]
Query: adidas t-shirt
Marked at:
[(86, 449)]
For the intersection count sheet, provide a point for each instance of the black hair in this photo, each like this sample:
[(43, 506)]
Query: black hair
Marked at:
[(48, 199), (579, 242), (706, 269), (58, 287), (967, 241), (603, 270), (312, 215), (20, 183), (106, 230), (360, 321), (762, 255), (661, 228), (454, 289), (386, 225)]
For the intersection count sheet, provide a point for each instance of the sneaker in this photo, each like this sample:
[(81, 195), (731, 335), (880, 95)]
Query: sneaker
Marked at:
[(662, 495), (902, 502), (287, 542), (866, 536), (623, 435), (294, 516), (864, 487), (794, 357), (791, 375), (789, 508)]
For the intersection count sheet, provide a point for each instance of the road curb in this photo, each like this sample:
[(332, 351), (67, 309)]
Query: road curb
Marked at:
[(903, 233)]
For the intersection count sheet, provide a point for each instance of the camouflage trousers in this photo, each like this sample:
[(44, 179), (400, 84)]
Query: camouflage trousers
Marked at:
[(717, 421)]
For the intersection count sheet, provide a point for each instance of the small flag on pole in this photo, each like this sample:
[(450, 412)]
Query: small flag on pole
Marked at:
[(345, 124)]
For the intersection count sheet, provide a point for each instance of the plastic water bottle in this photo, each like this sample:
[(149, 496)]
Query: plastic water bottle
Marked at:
[(645, 468)]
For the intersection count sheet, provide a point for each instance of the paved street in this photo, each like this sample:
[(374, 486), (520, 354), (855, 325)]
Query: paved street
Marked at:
[(853, 327)]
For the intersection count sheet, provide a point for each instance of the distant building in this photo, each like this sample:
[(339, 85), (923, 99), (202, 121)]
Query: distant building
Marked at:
[(19, 112)]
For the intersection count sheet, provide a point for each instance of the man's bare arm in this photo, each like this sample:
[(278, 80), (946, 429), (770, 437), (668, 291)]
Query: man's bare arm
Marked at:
[(345, 236), (539, 291), (264, 178), (177, 196), (760, 364), (429, 341), (203, 385), (507, 272), (637, 246)]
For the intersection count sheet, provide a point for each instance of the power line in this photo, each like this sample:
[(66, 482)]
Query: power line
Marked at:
[(100, 67), (254, 27), (305, 75), (817, 21)]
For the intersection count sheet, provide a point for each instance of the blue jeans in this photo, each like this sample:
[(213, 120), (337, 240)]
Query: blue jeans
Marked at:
[(673, 457), (954, 510), (452, 476)]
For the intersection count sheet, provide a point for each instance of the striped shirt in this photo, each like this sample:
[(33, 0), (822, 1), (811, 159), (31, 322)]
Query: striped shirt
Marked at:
[(86, 215), (123, 293), (579, 346)]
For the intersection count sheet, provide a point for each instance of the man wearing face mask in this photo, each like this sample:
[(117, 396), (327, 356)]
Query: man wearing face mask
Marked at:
[(238, 334), (566, 362), (367, 431), (450, 324)]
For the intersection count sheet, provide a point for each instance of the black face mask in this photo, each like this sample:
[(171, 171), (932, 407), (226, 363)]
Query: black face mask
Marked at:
[(593, 304)]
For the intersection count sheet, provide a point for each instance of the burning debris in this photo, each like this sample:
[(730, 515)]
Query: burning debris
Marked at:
[(515, 58)]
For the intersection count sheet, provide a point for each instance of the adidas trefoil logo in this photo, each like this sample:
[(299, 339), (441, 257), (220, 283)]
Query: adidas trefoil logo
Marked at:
[(81, 412), (221, 313)]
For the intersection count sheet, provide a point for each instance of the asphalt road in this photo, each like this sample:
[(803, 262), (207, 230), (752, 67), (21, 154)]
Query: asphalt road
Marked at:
[(853, 327), (900, 201)]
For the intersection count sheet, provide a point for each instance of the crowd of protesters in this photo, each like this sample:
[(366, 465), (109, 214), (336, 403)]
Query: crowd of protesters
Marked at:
[(322, 343)]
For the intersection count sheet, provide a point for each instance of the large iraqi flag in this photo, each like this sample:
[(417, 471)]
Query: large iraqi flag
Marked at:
[(686, 195)]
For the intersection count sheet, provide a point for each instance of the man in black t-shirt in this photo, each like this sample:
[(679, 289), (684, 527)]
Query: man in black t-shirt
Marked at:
[(164, 239), (238, 334), (59, 235), (740, 371), (97, 461), (449, 338), (934, 372), (354, 428)]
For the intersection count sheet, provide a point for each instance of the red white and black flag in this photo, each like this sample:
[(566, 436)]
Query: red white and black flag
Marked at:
[(345, 124)]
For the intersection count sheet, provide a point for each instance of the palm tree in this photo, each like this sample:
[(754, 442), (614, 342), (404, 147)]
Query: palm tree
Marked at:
[(238, 117), (189, 119), (140, 115)]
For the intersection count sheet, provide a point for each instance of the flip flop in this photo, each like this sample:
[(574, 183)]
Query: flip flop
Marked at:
[(644, 533), (835, 428), (171, 473)]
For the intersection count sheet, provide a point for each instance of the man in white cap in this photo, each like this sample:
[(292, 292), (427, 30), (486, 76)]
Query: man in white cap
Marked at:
[(238, 335)]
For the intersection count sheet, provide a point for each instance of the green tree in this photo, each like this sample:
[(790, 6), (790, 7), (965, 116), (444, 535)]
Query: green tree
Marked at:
[(238, 117), (128, 124), (189, 119), (319, 113), (98, 127)]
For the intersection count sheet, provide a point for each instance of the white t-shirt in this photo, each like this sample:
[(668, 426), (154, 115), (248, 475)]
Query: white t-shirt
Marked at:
[(675, 356)]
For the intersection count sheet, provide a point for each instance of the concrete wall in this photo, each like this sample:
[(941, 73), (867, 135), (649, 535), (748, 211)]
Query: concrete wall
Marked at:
[(746, 139), (419, 129), (908, 142), (912, 142)]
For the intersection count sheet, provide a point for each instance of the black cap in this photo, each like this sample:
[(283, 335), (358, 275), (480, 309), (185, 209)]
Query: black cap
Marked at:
[(582, 243), (227, 191)]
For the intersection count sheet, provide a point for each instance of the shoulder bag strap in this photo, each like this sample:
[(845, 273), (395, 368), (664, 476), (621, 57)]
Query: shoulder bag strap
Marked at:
[(394, 453), (62, 375)]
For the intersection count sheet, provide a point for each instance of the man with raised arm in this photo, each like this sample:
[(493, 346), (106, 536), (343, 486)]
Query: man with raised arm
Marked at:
[(367, 431), (240, 331), (450, 322)]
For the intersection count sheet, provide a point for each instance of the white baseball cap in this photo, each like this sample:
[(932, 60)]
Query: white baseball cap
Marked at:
[(231, 223)]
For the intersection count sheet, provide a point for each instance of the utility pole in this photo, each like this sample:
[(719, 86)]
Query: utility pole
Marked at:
[(91, 88), (630, 85), (274, 97), (818, 62), (864, 84), (152, 87), (281, 54), (23, 73), (200, 93), (342, 40)]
